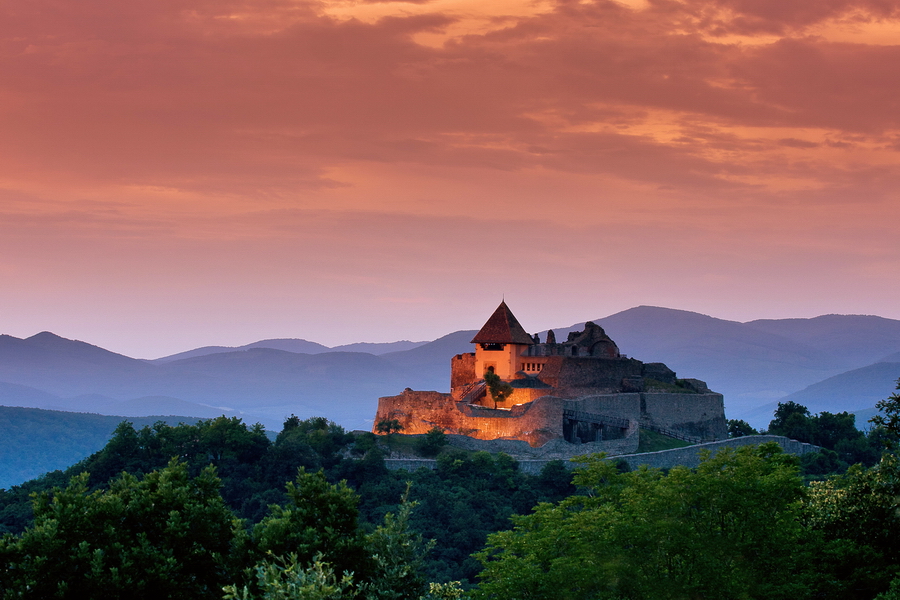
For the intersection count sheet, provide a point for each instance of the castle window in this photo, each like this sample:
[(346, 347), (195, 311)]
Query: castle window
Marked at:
[(493, 347)]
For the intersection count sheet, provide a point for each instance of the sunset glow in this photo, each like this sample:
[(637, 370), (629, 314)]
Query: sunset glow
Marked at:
[(179, 174)]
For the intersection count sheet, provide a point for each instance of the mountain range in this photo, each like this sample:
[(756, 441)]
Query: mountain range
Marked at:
[(831, 362)]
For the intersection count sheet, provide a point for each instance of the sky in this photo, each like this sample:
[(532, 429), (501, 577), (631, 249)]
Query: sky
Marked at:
[(215, 172)]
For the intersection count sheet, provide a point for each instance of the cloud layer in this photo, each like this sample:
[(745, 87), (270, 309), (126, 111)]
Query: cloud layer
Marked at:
[(733, 156)]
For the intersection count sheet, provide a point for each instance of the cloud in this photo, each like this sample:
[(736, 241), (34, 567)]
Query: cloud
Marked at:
[(725, 132)]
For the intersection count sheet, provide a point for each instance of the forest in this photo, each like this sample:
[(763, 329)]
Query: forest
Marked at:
[(217, 509)]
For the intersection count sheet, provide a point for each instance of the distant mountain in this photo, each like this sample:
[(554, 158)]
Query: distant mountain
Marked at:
[(851, 339), (26, 397), (863, 416), (258, 383), (378, 348), (753, 364), (854, 390), (295, 345), (37, 441), (287, 344)]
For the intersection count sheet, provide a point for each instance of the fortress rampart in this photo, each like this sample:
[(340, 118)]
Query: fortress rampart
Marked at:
[(582, 391)]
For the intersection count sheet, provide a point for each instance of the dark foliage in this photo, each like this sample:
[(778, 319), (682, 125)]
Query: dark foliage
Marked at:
[(740, 428), (465, 499), (843, 444)]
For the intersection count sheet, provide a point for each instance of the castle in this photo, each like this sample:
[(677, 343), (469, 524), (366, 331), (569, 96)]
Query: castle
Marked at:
[(582, 390)]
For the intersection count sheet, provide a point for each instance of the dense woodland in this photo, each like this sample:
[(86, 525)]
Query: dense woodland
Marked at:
[(218, 510)]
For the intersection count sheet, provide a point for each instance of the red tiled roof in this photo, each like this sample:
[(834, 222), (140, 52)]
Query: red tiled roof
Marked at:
[(502, 328)]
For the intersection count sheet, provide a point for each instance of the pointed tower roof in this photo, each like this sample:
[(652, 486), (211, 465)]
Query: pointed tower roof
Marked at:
[(502, 328)]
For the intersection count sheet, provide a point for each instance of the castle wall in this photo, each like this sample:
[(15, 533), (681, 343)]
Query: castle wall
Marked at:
[(664, 459), (518, 396), (697, 415), (540, 419), (623, 406), (462, 370), (587, 372), (536, 422), (418, 412)]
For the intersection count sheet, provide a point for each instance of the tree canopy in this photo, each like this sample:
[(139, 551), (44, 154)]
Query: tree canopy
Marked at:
[(724, 530)]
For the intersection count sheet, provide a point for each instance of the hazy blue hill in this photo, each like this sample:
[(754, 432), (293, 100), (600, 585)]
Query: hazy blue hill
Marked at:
[(748, 365), (440, 350), (147, 405), (203, 351), (287, 344), (262, 383), (344, 386), (36, 441), (12, 394), (67, 367), (753, 364), (862, 417), (378, 348), (859, 339), (428, 366), (299, 346), (861, 387)]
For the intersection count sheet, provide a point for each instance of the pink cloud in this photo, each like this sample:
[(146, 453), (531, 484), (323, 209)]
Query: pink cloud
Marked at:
[(216, 127)]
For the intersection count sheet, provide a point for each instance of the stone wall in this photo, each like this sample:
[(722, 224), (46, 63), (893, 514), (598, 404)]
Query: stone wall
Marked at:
[(518, 396), (538, 418), (462, 370), (623, 406), (536, 422), (585, 372), (696, 415), (418, 412), (690, 455), (665, 459)]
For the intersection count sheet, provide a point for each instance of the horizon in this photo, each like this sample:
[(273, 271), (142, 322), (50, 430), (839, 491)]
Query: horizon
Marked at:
[(576, 324), (175, 175)]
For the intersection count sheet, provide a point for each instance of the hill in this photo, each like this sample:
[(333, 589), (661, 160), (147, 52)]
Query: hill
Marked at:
[(37, 441), (753, 364), (295, 345), (855, 391)]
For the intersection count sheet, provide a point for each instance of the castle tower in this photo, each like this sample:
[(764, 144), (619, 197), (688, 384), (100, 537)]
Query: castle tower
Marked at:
[(500, 345)]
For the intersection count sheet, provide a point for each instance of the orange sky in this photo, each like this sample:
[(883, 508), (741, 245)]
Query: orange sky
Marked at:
[(177, 174)]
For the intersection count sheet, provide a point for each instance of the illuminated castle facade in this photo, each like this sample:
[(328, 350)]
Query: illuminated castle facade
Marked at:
[(580, 390)]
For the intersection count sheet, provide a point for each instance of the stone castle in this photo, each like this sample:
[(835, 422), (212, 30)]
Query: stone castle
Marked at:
[(582, 390)]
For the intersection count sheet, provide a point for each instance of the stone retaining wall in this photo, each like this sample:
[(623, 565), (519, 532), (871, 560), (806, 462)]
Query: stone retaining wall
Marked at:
[(664, 459)]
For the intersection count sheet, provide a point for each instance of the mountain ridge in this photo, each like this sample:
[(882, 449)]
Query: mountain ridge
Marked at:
[(752, 364)]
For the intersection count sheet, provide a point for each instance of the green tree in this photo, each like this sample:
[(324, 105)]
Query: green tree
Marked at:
[(889, 420), (390, 570), (290, 579), (163, 536), (389, 427), (398, 555), (498, 389), (728, 529), (857, 515), (792, 420), (321, 518), (432, 442), (740, 428)]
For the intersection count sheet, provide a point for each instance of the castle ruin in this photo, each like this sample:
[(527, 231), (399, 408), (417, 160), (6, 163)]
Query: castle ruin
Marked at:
[(582, 390)]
